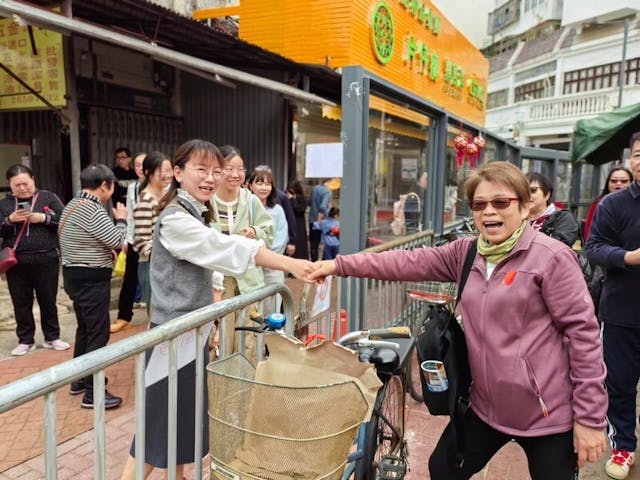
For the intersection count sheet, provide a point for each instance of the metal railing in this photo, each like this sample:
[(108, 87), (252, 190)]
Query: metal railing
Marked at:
[(46, 383)]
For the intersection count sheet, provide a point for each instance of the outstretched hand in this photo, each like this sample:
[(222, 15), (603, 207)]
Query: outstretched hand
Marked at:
[(321, 270)]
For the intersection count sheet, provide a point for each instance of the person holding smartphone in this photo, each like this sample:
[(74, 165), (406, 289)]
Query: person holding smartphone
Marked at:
[(38, 265)]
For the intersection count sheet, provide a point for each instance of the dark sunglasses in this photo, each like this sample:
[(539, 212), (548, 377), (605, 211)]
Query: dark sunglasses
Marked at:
[(497, 203), (623, 181)]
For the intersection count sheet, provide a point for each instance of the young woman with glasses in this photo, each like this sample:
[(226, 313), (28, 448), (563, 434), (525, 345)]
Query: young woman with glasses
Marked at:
[(185, 252), (237, 211), (619, 178), (534, 347)]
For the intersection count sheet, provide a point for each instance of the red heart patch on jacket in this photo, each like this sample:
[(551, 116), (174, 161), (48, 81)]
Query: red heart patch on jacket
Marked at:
[(509, 278)]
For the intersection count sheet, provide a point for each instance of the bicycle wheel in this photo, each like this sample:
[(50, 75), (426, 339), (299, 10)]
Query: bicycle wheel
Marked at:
[(385, 430), (413, 375)]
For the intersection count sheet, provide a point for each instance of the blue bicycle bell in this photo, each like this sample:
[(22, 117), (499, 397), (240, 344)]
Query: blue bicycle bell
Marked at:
[(276, 321)]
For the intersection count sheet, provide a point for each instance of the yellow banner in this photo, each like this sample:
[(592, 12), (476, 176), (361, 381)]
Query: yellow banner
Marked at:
[(42, 70)]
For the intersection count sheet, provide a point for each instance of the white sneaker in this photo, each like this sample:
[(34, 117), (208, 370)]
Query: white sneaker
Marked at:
[(23, 348), (56, 344), (618, 465)]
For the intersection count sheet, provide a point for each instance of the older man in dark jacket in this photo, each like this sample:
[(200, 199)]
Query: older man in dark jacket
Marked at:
[(614, 243)]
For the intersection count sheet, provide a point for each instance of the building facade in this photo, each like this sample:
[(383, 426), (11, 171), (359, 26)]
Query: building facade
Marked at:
[(549, 68), (553, 62)]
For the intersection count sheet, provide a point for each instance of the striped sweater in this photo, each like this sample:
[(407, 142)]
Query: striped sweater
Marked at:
[(145, 215), (87, 233)]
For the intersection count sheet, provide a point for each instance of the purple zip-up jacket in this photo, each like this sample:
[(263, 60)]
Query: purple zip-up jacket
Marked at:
[(533, 338)]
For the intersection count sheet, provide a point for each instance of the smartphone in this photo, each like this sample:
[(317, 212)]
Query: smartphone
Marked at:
[(24, 206)]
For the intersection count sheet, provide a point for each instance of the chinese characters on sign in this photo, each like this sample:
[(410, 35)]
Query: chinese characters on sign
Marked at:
[(44, 72), (420, 56)]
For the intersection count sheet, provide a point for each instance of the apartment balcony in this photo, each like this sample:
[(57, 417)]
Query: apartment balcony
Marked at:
[(572, 107), (554, 115)]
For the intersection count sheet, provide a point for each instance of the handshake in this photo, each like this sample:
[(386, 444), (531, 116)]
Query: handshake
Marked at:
[(312, 272)]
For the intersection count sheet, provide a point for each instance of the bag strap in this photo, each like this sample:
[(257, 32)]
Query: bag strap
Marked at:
[(61, 226), (251, 209), (19, 237), (459, 404), (466, 269), (24, 224)]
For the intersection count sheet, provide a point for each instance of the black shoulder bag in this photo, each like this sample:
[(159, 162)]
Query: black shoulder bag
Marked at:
[(443, 340)]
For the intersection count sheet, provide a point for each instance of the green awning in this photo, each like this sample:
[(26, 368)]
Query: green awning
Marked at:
[(602, 139)]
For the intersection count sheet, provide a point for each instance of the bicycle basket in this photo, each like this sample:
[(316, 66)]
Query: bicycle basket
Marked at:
[(265, 429)]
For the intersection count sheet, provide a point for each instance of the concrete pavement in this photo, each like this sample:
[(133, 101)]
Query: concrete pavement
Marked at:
[(21, 430)]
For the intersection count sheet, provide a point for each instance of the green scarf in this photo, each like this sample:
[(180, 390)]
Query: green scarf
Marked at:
[(496, 253)]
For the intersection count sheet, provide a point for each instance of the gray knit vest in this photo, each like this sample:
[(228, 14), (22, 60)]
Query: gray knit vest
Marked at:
[(177, 286)]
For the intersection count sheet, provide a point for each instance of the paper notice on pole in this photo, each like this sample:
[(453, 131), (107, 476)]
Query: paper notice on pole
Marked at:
[(158, 366), (322, 298), (324, 160)]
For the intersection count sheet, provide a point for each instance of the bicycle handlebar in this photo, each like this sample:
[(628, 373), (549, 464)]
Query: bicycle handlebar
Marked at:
[(374, 335)]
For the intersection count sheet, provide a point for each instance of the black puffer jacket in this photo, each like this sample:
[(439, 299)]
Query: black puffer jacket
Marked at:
[(39, 243), (563, 226)]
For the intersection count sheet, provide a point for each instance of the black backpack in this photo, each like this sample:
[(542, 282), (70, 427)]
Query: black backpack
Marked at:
[(443, 339)]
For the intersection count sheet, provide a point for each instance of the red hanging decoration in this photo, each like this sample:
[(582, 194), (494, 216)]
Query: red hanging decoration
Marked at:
[(472, 153), (460, 143), (479, 144)]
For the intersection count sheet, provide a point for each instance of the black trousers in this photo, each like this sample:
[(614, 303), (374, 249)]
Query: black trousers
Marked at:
[(314, 242), (90, 291), (621, 346), (550, 457), (23, 280), (129, 286)]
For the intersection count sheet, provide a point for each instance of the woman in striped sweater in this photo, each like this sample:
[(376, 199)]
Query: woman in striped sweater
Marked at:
[(157, 177)]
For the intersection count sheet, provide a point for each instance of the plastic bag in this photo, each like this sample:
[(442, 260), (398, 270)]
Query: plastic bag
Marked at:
[(121, 262)]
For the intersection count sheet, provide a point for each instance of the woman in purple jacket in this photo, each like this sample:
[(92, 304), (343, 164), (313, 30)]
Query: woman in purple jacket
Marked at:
[(534, 349)]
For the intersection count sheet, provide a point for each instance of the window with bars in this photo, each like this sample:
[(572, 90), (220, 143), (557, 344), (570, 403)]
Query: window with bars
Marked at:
[(601, 76), (539, 89)]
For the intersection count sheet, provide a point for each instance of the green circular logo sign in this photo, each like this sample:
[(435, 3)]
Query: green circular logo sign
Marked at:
[(382, 32)]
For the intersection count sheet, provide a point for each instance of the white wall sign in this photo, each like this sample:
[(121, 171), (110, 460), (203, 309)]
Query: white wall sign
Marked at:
[(324, 160)]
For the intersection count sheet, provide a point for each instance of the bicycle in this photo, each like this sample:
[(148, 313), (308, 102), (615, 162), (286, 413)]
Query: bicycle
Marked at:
[(384, 449), (380, 450), (435, 295)]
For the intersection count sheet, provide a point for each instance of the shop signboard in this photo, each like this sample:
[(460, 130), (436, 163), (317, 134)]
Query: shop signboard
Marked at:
[(407, 42), (38, 61)]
